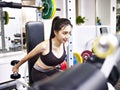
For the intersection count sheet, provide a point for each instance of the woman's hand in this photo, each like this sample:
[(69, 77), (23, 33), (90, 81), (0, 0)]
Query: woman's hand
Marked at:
[(15, 69)]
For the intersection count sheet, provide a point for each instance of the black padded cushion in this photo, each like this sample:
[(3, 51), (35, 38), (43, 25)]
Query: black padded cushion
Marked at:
[(34, 35)]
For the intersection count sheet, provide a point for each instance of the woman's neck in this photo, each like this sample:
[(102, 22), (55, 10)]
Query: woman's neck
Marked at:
[(56, 42)]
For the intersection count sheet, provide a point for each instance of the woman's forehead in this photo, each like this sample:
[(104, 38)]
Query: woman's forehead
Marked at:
[(66, 28)]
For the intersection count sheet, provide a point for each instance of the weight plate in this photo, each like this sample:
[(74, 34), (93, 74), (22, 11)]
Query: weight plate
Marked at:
[(78, 57), (54, 9), (74, 60), (6, 17), (48, 9), (85, 54), (99, 50)]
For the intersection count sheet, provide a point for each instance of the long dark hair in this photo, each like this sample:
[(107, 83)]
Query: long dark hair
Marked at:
[(59, 23)]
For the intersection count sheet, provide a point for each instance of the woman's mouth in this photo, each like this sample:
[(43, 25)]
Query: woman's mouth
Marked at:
[(65, 40)]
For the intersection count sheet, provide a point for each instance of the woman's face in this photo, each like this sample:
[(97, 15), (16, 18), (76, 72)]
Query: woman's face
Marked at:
[(64, 34)]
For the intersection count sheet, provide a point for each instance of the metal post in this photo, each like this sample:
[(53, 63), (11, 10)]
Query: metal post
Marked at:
[(38, 13), (2, 30), (70, 13)]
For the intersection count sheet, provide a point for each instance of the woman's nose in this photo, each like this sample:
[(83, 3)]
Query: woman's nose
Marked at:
[(67, 36)]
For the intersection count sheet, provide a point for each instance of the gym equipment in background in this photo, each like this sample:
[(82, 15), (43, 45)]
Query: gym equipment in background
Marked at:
[(77, 58), (85, 54), (105, 45), (103, 30), (6, 17), (74, 60), (48, 7)]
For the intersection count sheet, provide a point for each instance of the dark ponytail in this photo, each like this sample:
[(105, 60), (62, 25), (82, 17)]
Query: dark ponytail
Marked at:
[(57, 24), (52, 35)]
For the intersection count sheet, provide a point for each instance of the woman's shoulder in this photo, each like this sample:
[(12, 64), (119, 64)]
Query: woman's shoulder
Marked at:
[(44, 44)]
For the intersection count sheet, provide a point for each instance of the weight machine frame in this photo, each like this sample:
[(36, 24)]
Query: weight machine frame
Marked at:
[(70, 14), (2, 31)]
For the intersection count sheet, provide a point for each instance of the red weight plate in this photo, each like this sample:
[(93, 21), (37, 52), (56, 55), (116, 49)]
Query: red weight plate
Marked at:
[(85, 54)]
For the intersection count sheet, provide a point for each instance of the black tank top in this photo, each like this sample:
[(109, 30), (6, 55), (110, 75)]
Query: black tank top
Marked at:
[(50, 59)]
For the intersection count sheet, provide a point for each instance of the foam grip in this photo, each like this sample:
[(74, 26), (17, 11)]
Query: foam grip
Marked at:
[(79, 77)]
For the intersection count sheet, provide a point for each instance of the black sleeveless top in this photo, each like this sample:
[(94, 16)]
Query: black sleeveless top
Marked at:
[(50, 59)]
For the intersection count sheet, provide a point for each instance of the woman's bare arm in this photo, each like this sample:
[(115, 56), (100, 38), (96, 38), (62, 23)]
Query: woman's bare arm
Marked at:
[(37, 50)]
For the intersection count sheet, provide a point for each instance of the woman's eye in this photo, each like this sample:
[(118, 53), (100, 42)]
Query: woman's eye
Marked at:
[(64, 33), (67, 33)]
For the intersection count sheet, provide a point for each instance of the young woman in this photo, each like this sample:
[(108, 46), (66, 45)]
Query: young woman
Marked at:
[(52, 52)]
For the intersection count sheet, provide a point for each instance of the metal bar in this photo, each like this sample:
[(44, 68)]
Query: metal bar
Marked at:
[(31, 6), (70, 13), (2, 31), (19, 5), (10, 4)]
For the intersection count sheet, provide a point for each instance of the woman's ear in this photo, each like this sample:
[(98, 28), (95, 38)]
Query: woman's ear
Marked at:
[(55, 32)]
